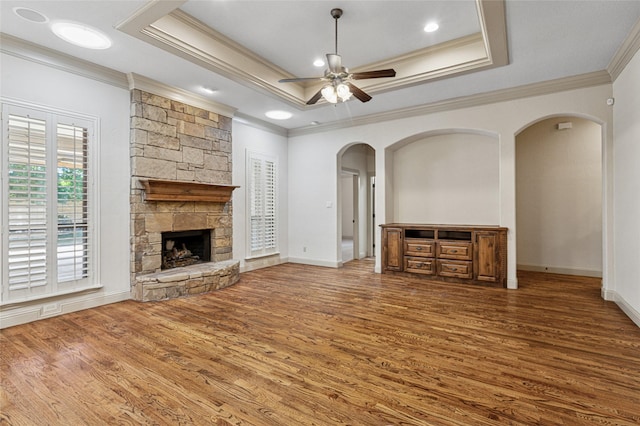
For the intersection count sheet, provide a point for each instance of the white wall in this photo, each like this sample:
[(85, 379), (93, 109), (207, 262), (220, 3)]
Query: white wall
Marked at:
[(249, 137), (626, 183), (38, 84), (452, 178), (559, 197), (313, 174)]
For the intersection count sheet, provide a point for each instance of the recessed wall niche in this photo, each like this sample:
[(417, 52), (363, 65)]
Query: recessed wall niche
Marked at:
[(448, 178)]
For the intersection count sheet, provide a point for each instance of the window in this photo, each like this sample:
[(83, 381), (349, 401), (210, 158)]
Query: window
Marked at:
[(261, 204), (47, 240)]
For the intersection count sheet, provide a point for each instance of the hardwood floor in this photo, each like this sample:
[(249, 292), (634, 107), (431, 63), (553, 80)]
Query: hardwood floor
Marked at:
[(302, 345)]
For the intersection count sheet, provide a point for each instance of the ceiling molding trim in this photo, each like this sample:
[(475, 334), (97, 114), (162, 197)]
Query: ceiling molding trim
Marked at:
[(596, 78), (149, 13), (474, 40), (189, 38), (625, 52), (494, 30), (178, 46), (259, 124), (140, 82), (61, 61)]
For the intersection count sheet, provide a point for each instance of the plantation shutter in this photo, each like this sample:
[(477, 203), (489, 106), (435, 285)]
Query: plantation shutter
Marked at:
[(270, 206), (72, 203), (262, 205), (46, 239), (27, 203)]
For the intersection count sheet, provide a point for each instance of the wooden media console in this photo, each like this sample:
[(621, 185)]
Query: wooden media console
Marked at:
[(453, 253)]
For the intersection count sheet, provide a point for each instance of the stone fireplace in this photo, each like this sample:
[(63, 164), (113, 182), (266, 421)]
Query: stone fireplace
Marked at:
[(180, 188)]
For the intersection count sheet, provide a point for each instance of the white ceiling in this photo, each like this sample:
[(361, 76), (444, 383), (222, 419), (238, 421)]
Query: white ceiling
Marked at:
[(546, 40)]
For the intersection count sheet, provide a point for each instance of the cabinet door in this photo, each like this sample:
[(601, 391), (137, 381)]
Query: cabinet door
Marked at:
[(392, 249), (487, 262)]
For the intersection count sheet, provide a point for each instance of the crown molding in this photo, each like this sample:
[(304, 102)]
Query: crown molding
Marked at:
[(596, 78), (625, 52), (147, 15), (146, 84), (52, 58), (256, 123), (163, 25)]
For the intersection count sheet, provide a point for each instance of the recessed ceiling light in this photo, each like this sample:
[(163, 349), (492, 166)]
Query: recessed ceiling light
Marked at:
[(30, 15), (318, 63), (207, 90), (279, 115), (431, 27), (81, 35)]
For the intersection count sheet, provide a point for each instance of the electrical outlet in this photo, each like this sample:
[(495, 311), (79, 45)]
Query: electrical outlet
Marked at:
[(304, 249)]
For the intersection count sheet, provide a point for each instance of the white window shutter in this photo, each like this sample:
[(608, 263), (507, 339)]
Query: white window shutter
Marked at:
[(47, 240), (261, 204), (27, 203)]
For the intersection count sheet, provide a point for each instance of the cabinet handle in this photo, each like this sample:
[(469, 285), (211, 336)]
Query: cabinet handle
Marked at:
[(454, 251)]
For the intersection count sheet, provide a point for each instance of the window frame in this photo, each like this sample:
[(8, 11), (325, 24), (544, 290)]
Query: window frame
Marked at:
[(52, 118)]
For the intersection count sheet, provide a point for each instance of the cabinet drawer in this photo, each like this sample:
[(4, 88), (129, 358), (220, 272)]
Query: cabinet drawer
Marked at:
[(456, 269), (458, 250), (419, 265), (419, 248)]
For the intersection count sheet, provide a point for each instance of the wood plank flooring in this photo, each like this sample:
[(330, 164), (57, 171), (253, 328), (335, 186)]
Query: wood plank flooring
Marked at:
[(302, 345)]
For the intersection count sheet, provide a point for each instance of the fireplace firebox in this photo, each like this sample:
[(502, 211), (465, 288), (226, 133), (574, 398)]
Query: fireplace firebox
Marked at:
[(185, 248)]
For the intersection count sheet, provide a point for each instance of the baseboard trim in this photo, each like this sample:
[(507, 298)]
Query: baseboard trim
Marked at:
[(627, 309), (315, 262), (264, 262), (37, 311), (563, 271)]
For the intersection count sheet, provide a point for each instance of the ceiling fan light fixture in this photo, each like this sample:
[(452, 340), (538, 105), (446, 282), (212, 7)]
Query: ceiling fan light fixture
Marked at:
[(343, 92), (338, 86), (329, 94)]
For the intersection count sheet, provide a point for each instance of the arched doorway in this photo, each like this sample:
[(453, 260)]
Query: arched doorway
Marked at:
[(559, 202), (356, 174)]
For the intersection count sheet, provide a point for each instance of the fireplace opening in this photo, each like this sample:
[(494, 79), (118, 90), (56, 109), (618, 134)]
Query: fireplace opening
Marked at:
[(185, 248)]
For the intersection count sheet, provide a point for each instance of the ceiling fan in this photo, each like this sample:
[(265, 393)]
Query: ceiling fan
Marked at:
[(338, 85)]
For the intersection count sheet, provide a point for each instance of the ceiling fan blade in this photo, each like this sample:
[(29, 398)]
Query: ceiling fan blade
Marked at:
[(294, 80), (358, 93), (315, 98), (374, 74), (335, 63)]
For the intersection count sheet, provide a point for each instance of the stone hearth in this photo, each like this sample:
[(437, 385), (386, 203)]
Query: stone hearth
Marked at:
[(173, 141)]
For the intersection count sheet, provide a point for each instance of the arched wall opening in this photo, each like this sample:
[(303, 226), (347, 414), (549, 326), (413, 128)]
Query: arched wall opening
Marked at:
[(450, 176), (559, 196)]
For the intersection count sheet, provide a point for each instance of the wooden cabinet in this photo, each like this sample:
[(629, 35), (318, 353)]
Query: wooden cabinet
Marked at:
[(392, 248), (470, 254)]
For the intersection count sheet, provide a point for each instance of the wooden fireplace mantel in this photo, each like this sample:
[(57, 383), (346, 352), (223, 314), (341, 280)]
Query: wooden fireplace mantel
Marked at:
[(171, 190)]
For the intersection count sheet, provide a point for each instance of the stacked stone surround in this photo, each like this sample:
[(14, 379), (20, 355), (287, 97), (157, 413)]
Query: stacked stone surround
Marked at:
[(171, 140)]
